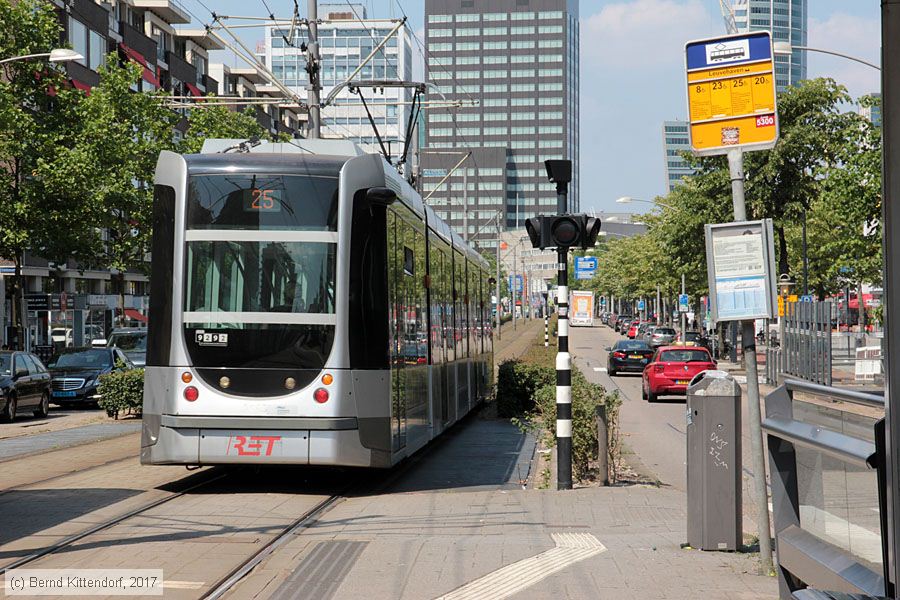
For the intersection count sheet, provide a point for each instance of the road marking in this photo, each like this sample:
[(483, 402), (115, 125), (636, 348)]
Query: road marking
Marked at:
[(600, 369), (183, 585), (512, 579)]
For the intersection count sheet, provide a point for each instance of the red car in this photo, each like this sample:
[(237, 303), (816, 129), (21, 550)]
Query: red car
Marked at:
[(672, 368), (632, 331)]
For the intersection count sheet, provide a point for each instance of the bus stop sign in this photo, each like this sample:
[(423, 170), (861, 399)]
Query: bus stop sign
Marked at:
[(731, 93)]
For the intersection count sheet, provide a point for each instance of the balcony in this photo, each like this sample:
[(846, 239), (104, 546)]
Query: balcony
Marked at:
[(180, 69), (169, 11), (82, 74), (136, 40), (263, 118), (211, 85)]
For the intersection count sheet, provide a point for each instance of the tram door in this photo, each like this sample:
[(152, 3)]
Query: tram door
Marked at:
[(396, 298)]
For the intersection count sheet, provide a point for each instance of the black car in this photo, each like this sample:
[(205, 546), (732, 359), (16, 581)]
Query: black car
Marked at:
[(628, 355), (24, 385), (620, 320), (76, 372)]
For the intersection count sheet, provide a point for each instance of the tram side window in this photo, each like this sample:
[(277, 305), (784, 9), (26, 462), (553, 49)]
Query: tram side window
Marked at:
[(418, 282), (446, 300), (436, 335), (393, 288)]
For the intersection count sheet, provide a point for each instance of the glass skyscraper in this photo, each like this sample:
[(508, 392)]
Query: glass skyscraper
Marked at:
[(787, 21), (515, 65), (344, 42), (676, 141)]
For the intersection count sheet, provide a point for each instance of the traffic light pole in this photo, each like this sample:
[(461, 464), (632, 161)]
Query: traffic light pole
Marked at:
[(563, 360)]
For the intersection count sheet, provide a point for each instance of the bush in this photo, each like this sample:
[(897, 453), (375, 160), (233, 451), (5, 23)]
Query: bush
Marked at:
[(122, 392), (517, 382)]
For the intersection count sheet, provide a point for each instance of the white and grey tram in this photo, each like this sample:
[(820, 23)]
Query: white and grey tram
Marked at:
[(306, 307)]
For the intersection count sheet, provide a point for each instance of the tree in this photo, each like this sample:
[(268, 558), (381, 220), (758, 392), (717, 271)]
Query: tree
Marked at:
[(33, 124), (216, 121)]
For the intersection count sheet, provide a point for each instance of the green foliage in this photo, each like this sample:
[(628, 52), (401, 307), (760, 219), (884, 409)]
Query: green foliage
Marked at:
[(122, 392), (517, 383), (216, 121)]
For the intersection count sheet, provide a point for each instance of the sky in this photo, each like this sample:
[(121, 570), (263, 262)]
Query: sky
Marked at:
[(632, 73)]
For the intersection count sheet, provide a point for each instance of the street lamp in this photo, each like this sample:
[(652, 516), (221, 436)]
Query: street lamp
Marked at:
[(787, 48), (629, 200), (55, 55)]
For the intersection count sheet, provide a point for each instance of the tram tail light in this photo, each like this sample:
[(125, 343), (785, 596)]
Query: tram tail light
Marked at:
[(191, 393), (327, 378), (187, 377), (321, 395)]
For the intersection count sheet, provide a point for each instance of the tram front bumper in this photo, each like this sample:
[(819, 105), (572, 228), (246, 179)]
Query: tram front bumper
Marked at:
[(197, 440)]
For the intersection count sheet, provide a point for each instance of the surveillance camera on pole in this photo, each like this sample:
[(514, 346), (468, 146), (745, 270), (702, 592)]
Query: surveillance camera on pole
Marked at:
[(563, 232)]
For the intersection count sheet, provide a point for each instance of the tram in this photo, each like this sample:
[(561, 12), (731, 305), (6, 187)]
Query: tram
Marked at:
[(306, 307)]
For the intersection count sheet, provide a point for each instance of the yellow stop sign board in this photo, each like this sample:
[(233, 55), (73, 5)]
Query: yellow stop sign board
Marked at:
[(731, 93)]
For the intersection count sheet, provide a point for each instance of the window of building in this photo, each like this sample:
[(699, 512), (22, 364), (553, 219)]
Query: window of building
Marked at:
[(468, 18), (550, 72), (443, 47), (550, 87), (545, 29), (440, 32), (496, 88), (521, 130), (493, 101), (468, 74), (522, 45), (521, 87), (521, 158), (468, 89), (550, 101), (445, 89), (527, 30), (522, 145), (467, 117), (437, 61), (523, 116), (497, 73), (493, 60), (490, 172), (464, 46), (470, 131), (440, 18), (551, 116), (501, 45), (552, 14), (518, 73), (550, 44), (439, 75), (495, 31), (550, 58), (490, 185), (522, 59), (499, 116), (440, 132), (522, 101), (495, 131), (550, 129), (521, 16), (493, 144), (550, 144), (468, 32)]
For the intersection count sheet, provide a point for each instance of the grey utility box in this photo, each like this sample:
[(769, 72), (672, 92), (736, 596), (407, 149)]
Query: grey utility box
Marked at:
[(714, 515)]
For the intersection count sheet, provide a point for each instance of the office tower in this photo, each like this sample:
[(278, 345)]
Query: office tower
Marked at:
[(518, 62), (873, 111), (787, 21), (346, 38), (676, 141)]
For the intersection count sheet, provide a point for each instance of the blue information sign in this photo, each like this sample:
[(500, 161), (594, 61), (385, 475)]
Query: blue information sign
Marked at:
[(585, 267), (518, 287), (640, 305), (684, 303)]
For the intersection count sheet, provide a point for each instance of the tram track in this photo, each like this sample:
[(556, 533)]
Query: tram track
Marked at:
[(73, 538)]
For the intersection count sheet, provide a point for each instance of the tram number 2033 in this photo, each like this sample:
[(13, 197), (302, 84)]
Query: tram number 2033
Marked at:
[(262, 200)]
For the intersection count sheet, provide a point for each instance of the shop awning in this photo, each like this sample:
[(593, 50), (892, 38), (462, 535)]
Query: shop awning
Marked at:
[(151, 78), (195, 91), (133, 314), (81, 86), (134, 55)]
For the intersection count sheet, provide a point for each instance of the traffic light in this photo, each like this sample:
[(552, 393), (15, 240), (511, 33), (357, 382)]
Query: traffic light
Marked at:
[(563, 232)]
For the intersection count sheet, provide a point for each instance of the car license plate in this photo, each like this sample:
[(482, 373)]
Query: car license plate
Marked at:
[(682, 381), (63, 394), (638, 356)]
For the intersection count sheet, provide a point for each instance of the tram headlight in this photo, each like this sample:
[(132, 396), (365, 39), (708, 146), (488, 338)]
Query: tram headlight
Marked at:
[(191, 393), (321, 395), (290, 383), (224, 382)]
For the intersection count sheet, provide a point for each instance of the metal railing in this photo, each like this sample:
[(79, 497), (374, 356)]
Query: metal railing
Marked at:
[(807, 554), (806, 347)]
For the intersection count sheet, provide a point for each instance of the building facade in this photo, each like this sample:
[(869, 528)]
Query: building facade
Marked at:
[(676, 141), (515, 65), (346, 38), (787, 21), (872, 109)]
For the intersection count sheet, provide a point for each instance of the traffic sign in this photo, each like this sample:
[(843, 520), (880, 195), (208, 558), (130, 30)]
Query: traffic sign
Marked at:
[(640, 305), (684, 303), (806, 298), (731, 93), (585, 267)]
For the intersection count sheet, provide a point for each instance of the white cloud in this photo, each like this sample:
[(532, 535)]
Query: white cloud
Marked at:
[(644, 33), (852, 35)]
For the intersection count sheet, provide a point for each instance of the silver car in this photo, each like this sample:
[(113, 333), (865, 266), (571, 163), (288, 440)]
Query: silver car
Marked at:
[(648, 333), (662, 336)]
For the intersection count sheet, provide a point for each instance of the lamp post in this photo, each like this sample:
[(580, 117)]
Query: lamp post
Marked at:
[(629, 200), (55, 55), (788, 48)]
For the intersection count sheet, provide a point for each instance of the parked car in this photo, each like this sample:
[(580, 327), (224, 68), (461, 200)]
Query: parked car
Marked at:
[(689, 338), (24, 385), (671, 370), (76, 371), (627, 355), (62, 336), (632, 330), (132, 341), (645, 337), (662, 336), (620, 321), (642, 330)]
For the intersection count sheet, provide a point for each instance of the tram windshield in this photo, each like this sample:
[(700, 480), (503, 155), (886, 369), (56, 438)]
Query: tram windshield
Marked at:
[(265, 202)]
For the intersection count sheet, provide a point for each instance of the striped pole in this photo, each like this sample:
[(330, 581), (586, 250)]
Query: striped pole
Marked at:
[(546, 328), (563, 379)]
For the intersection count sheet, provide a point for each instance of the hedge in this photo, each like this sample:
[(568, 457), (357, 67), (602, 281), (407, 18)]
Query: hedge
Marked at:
[(122, 392)]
